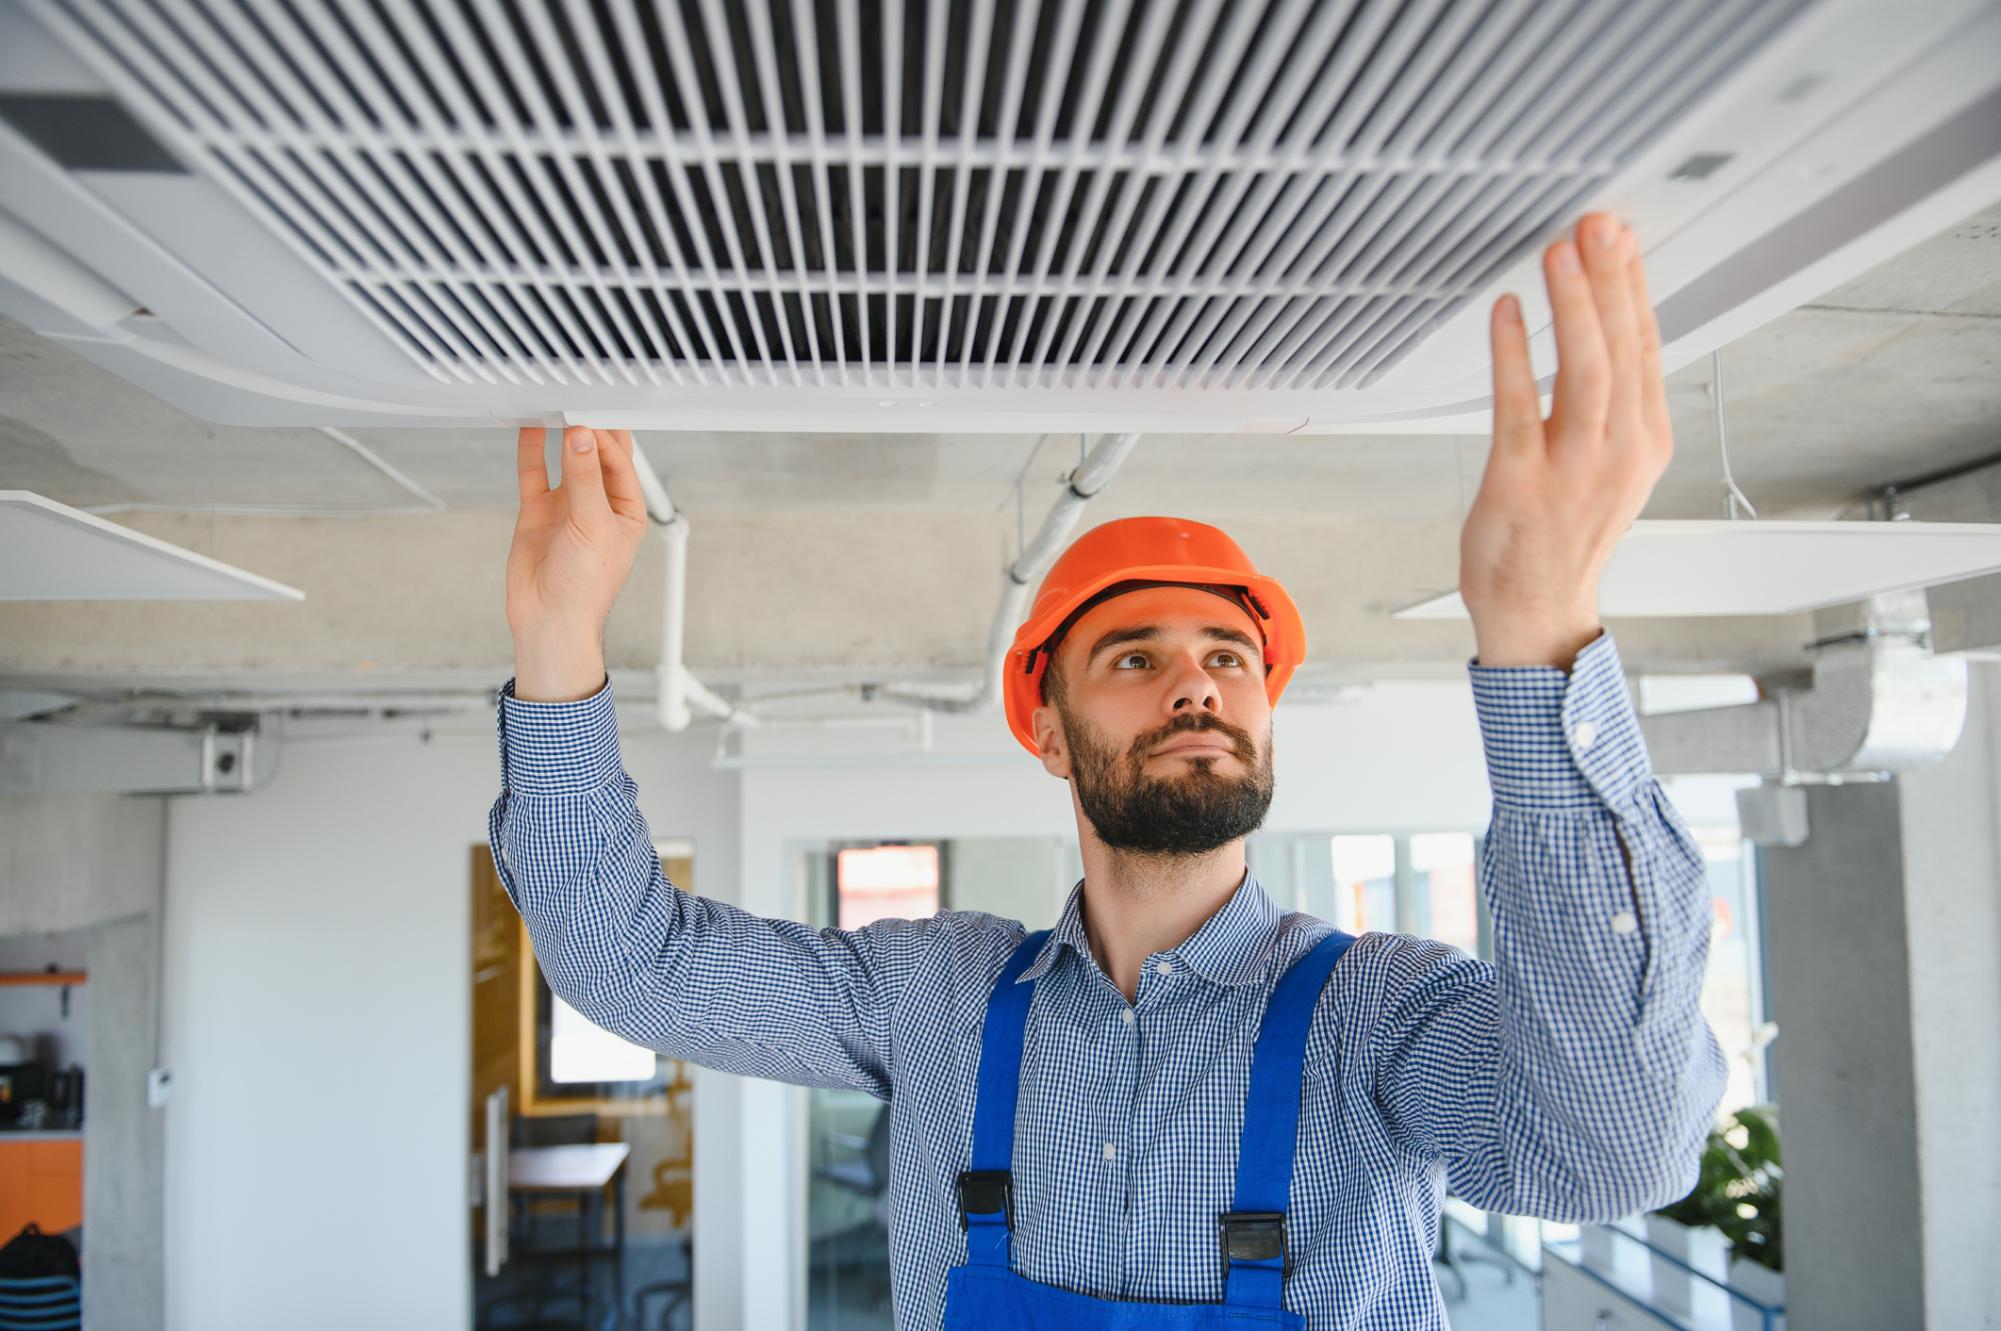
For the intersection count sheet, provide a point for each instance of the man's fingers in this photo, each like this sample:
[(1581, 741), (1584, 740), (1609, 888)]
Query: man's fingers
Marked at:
[(530, 470), (583, 474), (621, 474), (1607, 248), (1517, 410), (1583, 370), (1653, 385)]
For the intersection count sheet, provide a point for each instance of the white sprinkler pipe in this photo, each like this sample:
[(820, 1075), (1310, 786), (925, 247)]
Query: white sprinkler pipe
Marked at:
[(1091, 476), (679, 693)]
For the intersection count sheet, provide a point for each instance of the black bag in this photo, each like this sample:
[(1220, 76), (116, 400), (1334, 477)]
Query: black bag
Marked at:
[(32, 1253)]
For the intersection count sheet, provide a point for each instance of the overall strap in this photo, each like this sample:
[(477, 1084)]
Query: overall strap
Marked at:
[(1253, 1234), (986, 1190)]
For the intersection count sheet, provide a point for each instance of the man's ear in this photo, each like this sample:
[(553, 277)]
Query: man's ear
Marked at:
[(1046, 724)]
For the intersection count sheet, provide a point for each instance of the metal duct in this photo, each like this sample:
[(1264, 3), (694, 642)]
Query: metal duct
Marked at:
[(51, 759), (1879, 702)]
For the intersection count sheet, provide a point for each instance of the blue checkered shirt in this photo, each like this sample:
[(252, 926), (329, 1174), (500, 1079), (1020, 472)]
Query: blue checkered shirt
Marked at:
[(1573, 1077)]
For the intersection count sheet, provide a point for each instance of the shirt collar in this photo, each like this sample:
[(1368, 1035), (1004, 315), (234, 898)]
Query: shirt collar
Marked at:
[(1230, 948)]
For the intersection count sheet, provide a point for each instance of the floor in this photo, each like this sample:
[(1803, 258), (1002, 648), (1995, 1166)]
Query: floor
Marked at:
[(848, 1300), (533, 1294)]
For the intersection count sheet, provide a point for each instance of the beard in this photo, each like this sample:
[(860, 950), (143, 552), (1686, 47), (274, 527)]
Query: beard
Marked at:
[(1191, 812)]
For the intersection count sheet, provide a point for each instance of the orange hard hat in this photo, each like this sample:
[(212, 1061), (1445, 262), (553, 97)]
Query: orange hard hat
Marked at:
[(1146, 552)]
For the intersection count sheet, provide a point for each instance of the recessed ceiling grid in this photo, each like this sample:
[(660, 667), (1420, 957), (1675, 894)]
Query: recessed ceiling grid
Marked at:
[(1278, 196)]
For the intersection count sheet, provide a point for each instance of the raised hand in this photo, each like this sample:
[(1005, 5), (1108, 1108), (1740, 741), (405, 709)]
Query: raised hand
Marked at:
[(1558, 494), (573, 547)]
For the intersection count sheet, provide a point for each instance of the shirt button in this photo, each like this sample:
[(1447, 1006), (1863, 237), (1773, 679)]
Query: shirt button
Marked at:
[(1111, 1151), (1624, 923), (1127, 1016), (1584, 734), (1163, 967)]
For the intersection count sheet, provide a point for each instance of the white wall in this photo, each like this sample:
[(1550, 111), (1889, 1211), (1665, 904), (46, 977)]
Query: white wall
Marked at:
[(316, 983), (315, 1004), (316, 1009)]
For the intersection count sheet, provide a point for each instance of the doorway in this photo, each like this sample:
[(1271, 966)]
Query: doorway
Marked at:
[(582, 1211)]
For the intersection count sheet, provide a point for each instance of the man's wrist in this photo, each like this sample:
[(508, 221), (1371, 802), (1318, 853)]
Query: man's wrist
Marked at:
[(1504, 640), (566, 670)]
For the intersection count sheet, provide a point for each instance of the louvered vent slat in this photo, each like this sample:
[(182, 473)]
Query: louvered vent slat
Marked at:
[(1217, 194)]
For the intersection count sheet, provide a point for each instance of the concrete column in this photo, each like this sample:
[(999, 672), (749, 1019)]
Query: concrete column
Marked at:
[(95, 863), (1885, 930), (124, 1140), (1952, 846)]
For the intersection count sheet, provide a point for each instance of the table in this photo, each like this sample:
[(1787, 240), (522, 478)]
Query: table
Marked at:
[(583, 1169)]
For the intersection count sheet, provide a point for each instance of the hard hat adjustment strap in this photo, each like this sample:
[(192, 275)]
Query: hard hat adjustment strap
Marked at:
[(1228, 591)]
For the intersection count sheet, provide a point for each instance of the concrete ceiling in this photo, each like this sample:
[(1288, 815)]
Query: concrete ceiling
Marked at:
[(849, 557)]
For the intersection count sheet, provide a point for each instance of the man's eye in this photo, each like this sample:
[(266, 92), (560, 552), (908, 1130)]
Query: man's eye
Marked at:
[(1226, 658)]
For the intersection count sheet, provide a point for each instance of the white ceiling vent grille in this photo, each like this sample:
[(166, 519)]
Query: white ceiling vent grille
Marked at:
[(1276, 202), (1286, 194)]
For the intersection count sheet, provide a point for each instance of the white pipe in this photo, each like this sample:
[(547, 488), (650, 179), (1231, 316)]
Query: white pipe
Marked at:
[(659, 504), (671, 675), (1091, 477), (679, 693)]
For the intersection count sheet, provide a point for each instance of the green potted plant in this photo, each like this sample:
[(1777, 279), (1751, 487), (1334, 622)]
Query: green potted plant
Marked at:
[(1728, 1226), (1692, 1229), (1754, 1223)]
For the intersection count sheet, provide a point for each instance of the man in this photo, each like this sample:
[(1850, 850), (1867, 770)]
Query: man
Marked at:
[(1183, 1107)]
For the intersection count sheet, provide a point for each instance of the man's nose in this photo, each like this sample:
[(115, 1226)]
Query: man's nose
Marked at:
[(1191, 688)]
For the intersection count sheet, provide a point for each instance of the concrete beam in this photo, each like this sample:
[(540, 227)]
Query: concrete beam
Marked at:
[(771, 595)]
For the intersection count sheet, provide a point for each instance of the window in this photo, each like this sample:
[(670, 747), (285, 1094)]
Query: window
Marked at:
[(1730, 987), (1365, 883), (847, 1182), (886, 882), (1443, 869), (580, 1051), (1423, 883)]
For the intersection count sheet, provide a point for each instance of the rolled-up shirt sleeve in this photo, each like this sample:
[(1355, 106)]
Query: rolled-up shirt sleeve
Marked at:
[(689, 976), (1574, 1077)]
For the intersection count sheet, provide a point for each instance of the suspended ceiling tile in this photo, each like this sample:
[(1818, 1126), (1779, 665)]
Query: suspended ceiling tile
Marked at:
[(1685, 568), (52, 552)]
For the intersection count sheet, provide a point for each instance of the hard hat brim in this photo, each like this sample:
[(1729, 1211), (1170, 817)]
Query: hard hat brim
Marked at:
[(1284, 633)]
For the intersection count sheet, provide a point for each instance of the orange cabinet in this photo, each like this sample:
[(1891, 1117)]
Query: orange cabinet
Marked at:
[(41, 1179)]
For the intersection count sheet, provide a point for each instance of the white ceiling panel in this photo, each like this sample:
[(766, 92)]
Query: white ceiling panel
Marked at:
[(1691, 568), (52, 552)]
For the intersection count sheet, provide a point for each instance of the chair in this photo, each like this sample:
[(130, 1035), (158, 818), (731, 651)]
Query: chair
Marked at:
[(674, 1295), (868, 1172), (41, 1303), (861, 1246)]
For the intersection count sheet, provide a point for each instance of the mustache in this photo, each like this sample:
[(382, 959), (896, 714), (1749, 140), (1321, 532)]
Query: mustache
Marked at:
[(1240, 739)]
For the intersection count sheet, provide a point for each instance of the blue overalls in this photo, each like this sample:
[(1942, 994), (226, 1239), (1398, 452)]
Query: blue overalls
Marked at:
[(986, 1293)]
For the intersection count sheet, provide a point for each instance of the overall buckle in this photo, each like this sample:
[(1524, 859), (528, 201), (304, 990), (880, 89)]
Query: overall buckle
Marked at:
[(984, 1192), (1252, 1236)]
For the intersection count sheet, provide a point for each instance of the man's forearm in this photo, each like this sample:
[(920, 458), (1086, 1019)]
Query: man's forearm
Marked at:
[(1599, 900)]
